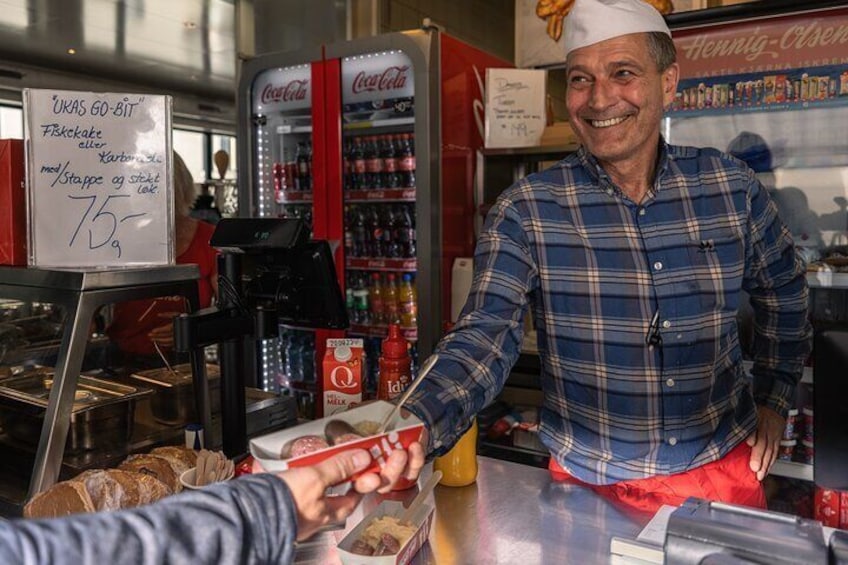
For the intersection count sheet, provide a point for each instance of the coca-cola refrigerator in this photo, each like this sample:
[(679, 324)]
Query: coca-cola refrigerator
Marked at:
[(371, 142)]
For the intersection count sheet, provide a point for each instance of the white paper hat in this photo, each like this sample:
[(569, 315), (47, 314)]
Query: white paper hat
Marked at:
[(593, 21)]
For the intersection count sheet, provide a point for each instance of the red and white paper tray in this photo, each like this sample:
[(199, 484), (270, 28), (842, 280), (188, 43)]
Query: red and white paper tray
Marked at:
[(422, 519), (266, 449)]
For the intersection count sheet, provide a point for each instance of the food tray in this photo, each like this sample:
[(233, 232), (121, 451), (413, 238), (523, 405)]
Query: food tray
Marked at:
[(423, 518), (266, 449)]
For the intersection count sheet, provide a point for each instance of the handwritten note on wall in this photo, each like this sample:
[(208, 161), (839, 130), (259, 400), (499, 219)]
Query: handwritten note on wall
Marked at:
[(515, 107), (98, 179)]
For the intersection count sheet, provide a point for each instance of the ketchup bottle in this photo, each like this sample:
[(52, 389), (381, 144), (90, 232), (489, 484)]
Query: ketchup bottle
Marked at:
[(395, 374)]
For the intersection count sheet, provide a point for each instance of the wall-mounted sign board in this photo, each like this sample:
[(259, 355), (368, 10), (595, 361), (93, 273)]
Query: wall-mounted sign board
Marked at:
[(515, 107), (99, 176)]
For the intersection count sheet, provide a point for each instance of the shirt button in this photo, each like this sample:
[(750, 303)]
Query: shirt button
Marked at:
[(670, 382), (609, 191), (658, 266), (642, 211), (672, 441), (666, 323)]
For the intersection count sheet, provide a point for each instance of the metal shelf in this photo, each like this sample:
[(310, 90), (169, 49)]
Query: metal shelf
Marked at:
[(827, 279), (792, 470)]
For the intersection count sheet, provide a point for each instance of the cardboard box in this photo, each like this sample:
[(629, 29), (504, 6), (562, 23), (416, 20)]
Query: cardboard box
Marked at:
[(423, 519), (266, 449), (13, 217)]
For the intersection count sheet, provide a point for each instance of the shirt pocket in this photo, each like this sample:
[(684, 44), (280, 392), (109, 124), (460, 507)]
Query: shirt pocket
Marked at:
[(717, 260)]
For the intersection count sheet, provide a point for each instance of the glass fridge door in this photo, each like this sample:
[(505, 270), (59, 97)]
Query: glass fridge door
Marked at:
[(379, 188), (282, 100), (282, 126)]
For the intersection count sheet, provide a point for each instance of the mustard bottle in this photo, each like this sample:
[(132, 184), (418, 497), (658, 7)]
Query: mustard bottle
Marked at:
[(459, 465)]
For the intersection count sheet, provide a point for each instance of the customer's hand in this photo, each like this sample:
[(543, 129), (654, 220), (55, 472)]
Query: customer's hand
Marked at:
[(765, 442), (309, 484)]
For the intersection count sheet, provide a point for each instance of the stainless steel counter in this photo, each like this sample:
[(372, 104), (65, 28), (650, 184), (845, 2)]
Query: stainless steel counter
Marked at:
[(513, 514)]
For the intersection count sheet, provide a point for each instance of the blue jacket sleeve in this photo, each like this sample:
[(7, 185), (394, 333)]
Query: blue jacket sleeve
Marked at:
[(248, 520)]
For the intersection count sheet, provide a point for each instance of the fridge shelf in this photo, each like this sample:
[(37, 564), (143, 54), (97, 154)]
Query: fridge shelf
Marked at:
[(409, 333), (381, 195), (379, 124), (295, 196), (286, 128), (381, 264)]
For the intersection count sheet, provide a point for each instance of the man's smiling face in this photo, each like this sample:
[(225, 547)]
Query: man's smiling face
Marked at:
[(616, 96)]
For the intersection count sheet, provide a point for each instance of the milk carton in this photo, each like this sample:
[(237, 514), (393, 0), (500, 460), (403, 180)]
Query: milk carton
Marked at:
[(342, 374)]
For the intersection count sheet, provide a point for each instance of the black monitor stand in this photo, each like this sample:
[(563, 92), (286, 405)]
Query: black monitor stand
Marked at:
[(269, 273)]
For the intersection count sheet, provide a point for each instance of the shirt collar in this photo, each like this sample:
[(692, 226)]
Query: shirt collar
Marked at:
[(591, 164)]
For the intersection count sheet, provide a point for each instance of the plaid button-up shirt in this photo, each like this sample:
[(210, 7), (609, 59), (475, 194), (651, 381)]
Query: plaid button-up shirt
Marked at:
[(635, 308)]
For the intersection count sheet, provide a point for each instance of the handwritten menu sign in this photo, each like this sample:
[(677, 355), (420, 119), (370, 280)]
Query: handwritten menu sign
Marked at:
[(99, 172), (515, 107)]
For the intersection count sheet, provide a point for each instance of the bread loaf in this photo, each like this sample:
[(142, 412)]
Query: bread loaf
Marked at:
[(62, 499), (113, 489), (156, 466), (181, 458)]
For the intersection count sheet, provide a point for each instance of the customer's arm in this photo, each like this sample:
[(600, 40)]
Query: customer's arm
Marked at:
[(253, 519)]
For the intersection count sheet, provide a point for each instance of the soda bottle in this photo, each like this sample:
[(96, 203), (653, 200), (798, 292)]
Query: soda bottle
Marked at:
[(390, 247), (375, 296), (347, 165), (375, 232), (359, 233), (358, 163), (308, 159), (373, 163), (360, 306), (348, 232), (294, 358), (408, 301), (405, 232), (307, 356), (302, 160), (395, 373), (406, 163), (391, 308), (388, 152)]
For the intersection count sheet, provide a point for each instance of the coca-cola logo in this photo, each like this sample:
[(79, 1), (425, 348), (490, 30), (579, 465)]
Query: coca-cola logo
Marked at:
[(342, 377), (294, 90), (392, 78)]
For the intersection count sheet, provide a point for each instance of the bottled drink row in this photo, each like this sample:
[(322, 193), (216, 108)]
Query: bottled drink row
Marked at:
[(375, 298), (295, 172), (383, 230), (379, 161)]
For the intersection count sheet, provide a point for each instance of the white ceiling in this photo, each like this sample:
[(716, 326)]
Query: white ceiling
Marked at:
[(182, 45)]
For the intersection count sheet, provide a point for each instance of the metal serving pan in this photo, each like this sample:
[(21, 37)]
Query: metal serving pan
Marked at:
[(173, 399), (101, 417)]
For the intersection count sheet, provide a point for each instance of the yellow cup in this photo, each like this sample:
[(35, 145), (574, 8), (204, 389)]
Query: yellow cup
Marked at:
[(459, 465)]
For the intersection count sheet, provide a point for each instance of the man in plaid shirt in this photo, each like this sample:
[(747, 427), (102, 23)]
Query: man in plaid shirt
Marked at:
[(631, 255)]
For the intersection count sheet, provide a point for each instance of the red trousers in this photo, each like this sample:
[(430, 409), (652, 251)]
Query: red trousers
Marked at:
[(729, 479)]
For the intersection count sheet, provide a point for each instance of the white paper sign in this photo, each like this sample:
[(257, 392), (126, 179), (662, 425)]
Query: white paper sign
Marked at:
[(515, 107), (99, 173)]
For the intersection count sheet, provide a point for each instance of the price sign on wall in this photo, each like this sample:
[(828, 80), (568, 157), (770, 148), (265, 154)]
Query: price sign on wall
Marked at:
[(99, 172), (515, 107)]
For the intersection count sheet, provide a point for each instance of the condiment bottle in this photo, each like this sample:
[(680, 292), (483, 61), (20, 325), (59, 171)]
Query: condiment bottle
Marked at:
[(395, 363), (459, 465)]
